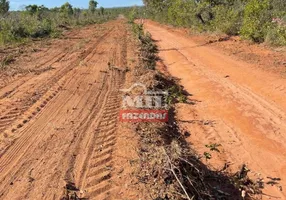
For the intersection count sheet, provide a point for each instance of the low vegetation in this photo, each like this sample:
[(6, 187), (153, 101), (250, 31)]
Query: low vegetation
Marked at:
[(148, 50), (38, 21), (256, 20)]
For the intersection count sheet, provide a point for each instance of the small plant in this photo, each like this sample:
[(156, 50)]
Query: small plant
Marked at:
[(214, 147), (176, 95), (207, 156)]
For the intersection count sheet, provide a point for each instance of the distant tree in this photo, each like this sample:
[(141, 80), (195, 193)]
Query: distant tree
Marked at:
[(55, 9), (4, 7), (32, 9), (42, 8), (66, 9), (76, 11), (85, 13), (39, 11), (101, 10), (92, 6)]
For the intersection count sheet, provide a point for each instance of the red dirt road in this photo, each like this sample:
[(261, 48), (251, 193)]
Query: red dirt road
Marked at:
[(58, 121), (236, 104)]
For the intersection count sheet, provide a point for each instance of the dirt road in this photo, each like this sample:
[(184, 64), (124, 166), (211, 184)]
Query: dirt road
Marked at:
[(236, 104), (58, 120), (59, 105)]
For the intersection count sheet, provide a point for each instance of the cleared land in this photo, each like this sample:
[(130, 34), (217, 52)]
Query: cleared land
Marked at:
[(60, 98)]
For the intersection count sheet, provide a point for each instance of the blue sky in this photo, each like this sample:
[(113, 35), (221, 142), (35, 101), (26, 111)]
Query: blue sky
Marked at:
[(18, 4)]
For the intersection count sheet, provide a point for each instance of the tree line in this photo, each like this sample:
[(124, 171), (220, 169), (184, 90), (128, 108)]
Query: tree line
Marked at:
[(36, 21), (256, 20)]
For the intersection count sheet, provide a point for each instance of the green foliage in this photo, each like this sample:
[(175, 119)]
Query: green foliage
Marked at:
[(39, 21), (256, 20), (176, 94), (276, 36), (227, 20), (4, 7), (148, 49), (132, 15), (180, 13), (207, 156), (138, 29), (214, 147), (32, 9), (66, 10), (252, 19), (92, 6), (211, 147), (101, 10), (135, 13)]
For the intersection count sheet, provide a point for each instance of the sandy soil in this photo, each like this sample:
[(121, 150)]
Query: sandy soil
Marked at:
[(59, 116), (234, 101)]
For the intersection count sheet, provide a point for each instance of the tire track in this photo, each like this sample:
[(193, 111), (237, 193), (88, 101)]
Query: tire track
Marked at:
[(46, 85), (82, 103), (95, 179), (96, 176), (14, 152)]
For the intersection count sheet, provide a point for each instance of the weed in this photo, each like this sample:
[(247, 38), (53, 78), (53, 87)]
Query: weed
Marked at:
[(176, 94), (207, 156), (7, 60), (148, 49), (214, 147)]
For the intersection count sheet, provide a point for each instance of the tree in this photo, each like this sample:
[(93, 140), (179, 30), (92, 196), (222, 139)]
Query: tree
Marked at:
[(4, 7), (32, 9), (256, 20), (92, 6), (101, 10), (76, 12), (66, 9)]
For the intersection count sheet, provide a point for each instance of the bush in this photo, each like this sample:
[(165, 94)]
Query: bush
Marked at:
[(276, 36), (249, 18), (256, 20), (227, 20)]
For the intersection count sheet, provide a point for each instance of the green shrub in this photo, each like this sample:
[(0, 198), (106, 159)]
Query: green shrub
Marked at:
[(132, 15), (249, 18), (276, 36), (256, 20), (4, 7), (227, 20)]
